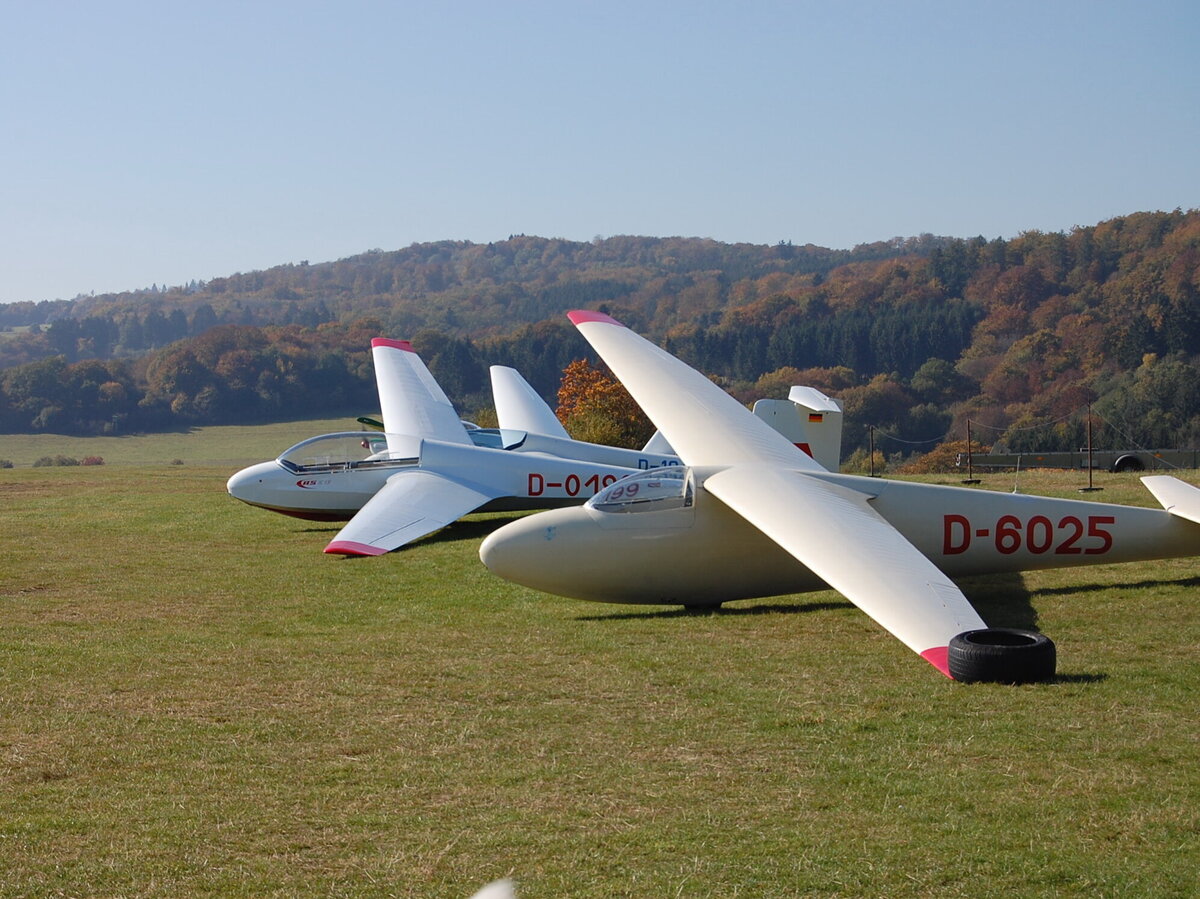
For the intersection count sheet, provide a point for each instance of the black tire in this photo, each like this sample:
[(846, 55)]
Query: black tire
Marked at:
[(1128, 463), (1002, 655)]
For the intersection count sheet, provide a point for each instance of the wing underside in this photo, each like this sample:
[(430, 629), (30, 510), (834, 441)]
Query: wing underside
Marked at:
[(410, 505)]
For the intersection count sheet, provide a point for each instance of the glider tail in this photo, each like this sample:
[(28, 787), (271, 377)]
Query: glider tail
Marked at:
[(810, 420), (1180, 499)]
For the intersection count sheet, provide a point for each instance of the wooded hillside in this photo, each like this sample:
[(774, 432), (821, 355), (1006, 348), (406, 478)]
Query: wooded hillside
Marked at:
[(915, 335)]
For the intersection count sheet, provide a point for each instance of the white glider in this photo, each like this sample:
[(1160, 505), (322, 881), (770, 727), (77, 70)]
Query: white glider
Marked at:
[(427, 469), (753, 516)]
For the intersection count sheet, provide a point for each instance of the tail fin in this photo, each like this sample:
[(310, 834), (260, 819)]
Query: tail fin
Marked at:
[(519, 408), (809, 419), (412, 402), (659, 445)]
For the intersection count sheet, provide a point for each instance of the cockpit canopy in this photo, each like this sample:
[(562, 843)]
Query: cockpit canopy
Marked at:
[(373, 449), (348, 449), (654, 490)]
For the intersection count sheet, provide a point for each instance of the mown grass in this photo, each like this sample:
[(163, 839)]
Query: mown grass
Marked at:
[(194, 700), (217, 445)]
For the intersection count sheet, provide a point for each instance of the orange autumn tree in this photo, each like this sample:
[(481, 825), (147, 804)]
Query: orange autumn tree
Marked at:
[(594, 406)]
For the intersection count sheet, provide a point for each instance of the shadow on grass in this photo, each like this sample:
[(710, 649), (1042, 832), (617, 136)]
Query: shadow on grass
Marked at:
[(1002, 600), (684, 612), (471, 528), (1071, 589)]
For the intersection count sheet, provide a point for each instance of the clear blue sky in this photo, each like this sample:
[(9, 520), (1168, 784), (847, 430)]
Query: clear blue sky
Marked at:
[(160, 142)]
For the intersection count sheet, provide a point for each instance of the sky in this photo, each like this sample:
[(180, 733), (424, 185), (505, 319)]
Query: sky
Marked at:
[(160, 143)]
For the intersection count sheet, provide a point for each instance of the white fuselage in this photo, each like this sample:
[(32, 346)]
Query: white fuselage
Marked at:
[(703, 553), (331, 477)]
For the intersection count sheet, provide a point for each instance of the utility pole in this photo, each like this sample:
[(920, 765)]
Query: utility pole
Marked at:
[(971, 479), (1089, 488)]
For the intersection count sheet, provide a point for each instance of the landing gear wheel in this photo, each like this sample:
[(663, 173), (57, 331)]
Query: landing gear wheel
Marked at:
[(1002, 655)]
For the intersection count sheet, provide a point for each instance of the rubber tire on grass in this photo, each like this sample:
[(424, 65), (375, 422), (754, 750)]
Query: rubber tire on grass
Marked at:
[(1002, 655)]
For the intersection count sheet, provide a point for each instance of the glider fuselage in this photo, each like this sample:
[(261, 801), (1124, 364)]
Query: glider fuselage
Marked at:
[(331, 477), (703, 553)]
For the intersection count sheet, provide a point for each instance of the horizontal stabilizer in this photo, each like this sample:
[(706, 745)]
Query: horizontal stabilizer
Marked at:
[(1178, 498), (813, 399)]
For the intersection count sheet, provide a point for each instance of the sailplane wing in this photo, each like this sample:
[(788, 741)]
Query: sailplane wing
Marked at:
[(410, 505), (411, 400), (834, 531), (704, 424), (831, 529)]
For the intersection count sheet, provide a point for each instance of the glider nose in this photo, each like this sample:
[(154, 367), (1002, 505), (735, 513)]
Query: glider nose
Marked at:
[(249, 484), (547, 551)]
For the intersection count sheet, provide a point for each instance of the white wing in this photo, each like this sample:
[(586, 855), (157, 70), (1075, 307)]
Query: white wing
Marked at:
[(704, 424), (830, 529), (1178, 498), (411, 400), (834, 532), (519, 408), (410, 505)]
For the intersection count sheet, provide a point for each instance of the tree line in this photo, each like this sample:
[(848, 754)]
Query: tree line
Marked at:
[(915, 336)]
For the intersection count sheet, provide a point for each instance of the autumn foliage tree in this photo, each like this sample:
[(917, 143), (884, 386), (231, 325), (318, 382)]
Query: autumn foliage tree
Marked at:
[(595, 407)]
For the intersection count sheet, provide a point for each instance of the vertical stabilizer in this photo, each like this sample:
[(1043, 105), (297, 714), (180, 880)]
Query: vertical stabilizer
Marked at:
[(809, 419)]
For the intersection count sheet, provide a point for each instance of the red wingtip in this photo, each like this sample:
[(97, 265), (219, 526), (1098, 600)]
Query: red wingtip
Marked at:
[(350, 548), (579, 316), (394, 344), (939, 658)]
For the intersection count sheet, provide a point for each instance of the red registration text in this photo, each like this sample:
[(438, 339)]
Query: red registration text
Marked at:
[(572, 484), (1066, 536)]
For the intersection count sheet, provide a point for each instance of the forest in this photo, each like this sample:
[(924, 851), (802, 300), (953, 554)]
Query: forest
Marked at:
[(915, 336)]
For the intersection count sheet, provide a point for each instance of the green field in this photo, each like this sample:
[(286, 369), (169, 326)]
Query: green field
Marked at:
[(231, 446), (195, 700)]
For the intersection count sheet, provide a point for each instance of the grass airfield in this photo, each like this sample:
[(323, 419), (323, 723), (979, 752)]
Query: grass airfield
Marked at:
[(195, 700)]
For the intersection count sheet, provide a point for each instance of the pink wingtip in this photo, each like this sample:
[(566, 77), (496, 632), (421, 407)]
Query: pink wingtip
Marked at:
[(939, 658), (350, 548), (394, 344), (579, 316)]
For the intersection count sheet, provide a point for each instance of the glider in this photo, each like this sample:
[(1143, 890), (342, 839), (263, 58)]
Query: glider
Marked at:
[(750, 515), (427, 469)]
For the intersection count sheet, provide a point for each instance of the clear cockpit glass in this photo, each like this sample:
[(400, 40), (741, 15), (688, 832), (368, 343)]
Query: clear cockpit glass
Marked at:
[(654, 490), (350, 450)]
